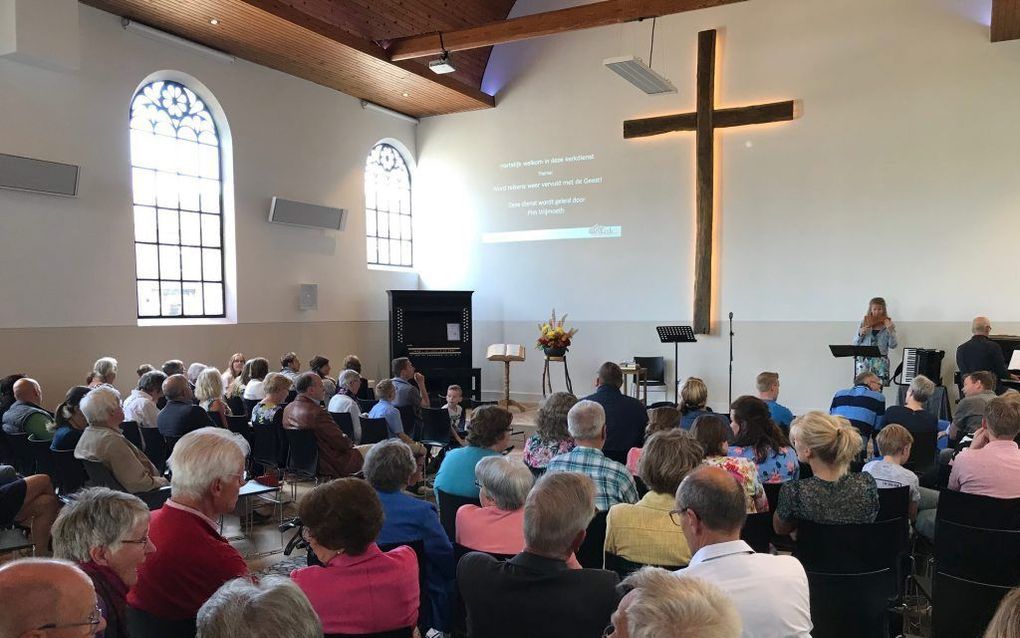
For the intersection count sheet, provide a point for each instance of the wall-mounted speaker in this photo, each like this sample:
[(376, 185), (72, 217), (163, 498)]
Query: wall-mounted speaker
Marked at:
[(38, 176), (309, 297), (285, 211)]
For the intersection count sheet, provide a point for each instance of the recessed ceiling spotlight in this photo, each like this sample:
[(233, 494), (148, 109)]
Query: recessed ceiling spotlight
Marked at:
[(214, 22), (405, 94)]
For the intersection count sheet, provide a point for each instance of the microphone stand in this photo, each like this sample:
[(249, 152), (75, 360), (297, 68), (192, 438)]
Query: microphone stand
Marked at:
[(731, 360)]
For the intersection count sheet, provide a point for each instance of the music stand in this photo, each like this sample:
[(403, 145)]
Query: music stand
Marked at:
[(676, 335), (855, 351)]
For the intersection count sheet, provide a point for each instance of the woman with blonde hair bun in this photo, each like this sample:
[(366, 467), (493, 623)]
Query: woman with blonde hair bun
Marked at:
[(1006, 622), (833, 495)]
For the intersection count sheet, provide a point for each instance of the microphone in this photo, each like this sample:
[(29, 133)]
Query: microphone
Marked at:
[(731, 316)]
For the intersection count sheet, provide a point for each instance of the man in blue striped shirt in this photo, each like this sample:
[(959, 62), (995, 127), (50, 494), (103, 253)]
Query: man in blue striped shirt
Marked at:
[(863, 405)]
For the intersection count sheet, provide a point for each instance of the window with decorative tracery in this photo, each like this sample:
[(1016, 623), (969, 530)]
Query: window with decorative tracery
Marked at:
[(176, 176), (388, 207)]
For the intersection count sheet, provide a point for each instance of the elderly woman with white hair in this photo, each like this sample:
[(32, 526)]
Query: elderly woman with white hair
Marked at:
[(346, 399), (103, 442), (104, 373), (658, 602), (107, 533), (194, 370), (193, 559), (273, 607), (209, 392)]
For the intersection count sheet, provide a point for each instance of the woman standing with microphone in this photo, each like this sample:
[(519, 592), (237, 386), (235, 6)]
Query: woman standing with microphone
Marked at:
[(876, 329)]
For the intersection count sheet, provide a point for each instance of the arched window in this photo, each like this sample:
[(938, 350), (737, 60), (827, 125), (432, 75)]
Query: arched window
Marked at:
[(388, 207), (178, 204)]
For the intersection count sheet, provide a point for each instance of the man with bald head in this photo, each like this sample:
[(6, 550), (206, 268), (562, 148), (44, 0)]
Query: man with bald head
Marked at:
[(710, 509), (180, 415), (47, 598), (26, 415), (981, 353)]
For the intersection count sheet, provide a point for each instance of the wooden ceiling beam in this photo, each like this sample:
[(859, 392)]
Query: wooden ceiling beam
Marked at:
[(1005, 20), (586, 16)]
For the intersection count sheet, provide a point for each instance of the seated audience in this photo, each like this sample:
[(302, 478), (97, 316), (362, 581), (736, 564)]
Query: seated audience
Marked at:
[(489, 436), (26, 415), (693, 401), (236, 388), (626, 416), (386, 392), (833, 495), (456, 413), (140, 406), (70, 421), (320, 366), (978, 391), (7, 391), (658, 604), (209, 392), (991, 465), (268, 413), (253, 390), (103, 442), (1006, 621), (107, 534), (337, 456), (346, 399), (586, 422), (643, 532), (273, 607), (551, 437), (45, 596), (192, 559), (711, 433), (862, 405), (757, 438), (180, 415), (894, 443), (104, 372), (143, 368), (290, 366), (768, 391), (389, 468), (30, 502), (358, 589), (409, 385), (660, 419), (194, 370), (233, 370), (710, 509), (352, 362), (534, 593), (912, 414)]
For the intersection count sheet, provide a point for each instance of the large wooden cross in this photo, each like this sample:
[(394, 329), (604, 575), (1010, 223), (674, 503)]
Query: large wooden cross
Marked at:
[(704, 121)]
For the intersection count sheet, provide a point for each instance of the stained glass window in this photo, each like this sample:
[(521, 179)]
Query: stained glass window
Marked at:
[(178, 204), (388, 207)]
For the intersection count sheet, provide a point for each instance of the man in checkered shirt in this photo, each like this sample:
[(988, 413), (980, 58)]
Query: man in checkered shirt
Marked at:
[(586, 422)]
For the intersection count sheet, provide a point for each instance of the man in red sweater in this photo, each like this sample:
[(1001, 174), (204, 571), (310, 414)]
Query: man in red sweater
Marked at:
[(192, 560)]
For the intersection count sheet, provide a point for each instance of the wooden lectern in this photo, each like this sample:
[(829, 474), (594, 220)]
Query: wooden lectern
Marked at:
[(506, 352)]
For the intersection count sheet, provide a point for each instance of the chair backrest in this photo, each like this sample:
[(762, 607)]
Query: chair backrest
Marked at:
[(155, 447), (459, 551), (366, 405), (249, 405), (344, 422), (662, 404), (132, 433), (303, 454), (851, 605), (851, 549), (624, 567), (239, 424), (893, 502), (69, 472), (772, 494), (590, 553), (142, 623), (408, 419), (979, 511), (265, 449), (424, 600), (620, 456), (18, 444), (236, 405), (435, 426), (373, 431), (448, 506), (962, 607), (982, 555), (39, 452), (757, 532), (655, 367), (100, 476), (923, 451)]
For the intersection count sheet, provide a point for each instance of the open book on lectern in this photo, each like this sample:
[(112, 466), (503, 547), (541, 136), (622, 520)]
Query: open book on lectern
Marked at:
[(505, 352)]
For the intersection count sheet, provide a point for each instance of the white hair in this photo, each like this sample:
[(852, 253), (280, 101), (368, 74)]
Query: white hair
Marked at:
[(586, 420), (99, 404), (95, 517), (201, 457), (922, 388), (667, 605), (104, 367), (209, 385), (559, 506), (273, 607), (347, 379), (194, 370), (506, 481)]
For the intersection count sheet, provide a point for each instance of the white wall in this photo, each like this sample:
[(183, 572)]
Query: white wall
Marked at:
[(898, 180)]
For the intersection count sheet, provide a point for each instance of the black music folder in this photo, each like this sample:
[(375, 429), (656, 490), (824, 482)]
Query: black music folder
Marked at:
[(855, 351)]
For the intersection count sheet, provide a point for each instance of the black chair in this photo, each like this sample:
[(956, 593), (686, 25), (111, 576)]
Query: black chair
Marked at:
[(424, 600), (459, 610), (448, 506), (69, 473), (302, 458), (100, 476), (851, 549), (624, 567), (22, 455), (265, 448), (132, 433), (979, 511), (155, 448), (249, 405), (409, 420), (964, 607), (781, 542), (169, 442), (851, 605), (893, 502), (236, 406), (757, 532), (373, 431), (239, 424), (142, 623), (620, 456), (435, 427), (366, 405), (655, 372), (923, 452), (590, 553), (345, 422), (39, 452)]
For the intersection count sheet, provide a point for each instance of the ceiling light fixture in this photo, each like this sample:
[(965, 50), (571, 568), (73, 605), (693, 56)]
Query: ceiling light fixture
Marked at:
[(214, 22), (641, 75), (442, 64)]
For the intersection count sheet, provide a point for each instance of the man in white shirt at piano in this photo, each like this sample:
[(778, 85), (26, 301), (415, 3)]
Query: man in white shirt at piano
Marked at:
[(981, 353)]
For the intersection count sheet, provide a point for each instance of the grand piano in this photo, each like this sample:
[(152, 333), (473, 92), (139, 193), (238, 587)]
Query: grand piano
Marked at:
[(1008, 343), (433, 329)]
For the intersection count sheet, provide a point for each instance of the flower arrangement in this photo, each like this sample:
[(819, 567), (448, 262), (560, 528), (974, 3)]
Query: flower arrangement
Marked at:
[(554, 334)]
